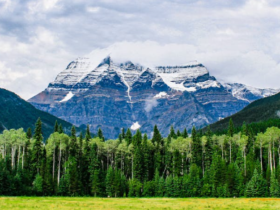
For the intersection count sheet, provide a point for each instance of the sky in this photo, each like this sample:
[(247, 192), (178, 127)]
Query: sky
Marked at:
[(238, 41)]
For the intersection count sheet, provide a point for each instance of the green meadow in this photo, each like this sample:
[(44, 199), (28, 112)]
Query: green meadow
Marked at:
[(72, 203)]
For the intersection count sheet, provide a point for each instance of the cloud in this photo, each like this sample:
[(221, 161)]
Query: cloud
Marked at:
[(150, 103), (236, 40)]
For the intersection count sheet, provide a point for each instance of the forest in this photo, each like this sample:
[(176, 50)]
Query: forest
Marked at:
[(239, 163)]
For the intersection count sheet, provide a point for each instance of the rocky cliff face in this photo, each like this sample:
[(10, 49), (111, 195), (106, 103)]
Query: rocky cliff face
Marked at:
[(112, 96)]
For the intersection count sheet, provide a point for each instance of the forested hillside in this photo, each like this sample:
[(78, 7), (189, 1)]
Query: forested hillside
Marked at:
[(17, 113), (258, 111), (240, 164)]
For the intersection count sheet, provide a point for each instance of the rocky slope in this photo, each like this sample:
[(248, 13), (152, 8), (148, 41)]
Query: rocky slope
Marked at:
[(114, 95)]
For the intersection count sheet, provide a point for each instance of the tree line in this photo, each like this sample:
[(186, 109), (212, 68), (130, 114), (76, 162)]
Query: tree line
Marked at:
[(181, 165)]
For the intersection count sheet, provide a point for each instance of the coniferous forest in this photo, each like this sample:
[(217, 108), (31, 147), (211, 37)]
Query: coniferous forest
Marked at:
[(235, 164)]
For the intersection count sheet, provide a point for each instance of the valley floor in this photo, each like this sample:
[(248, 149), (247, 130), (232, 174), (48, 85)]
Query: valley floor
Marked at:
[(137, 203)]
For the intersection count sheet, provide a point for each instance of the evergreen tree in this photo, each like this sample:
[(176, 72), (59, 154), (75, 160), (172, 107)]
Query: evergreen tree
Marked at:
[(86, 162), (169, 186), (137, 138), (60, 129), (185, 133), (145, 152), (94, 169), (110, 182), (37, 146), (196, 148), (208, 149), (128, 137), (72, 161), (123, 133), (56, 127), (178, 133), (257, 186), (172, 132), (29, 133), (156, 137), (100, 134), (274, 188), (138, 164), (230, 128)]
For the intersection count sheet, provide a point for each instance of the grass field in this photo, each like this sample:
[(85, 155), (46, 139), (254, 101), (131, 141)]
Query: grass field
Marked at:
[(72, 203)]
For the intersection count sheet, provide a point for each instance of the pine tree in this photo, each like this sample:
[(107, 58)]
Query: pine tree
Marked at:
[(257, 186), (208, 149), (56, 127), (137, 138), (94, 170), (196, 148), (169, 186), (100, 134), (123, 133), (145, 152), (185, 133), (86, 158), (60, 129), (274, 188), (29, 133), (172, 132), (156, 136), (37, 146), (178, 133), (176, 162), (128, 137), (230, 128), (73, 172), (109, 182)]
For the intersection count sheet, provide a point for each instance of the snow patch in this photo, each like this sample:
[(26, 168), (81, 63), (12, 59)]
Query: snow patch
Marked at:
[(135, 126), (67, 97), (160, 95)]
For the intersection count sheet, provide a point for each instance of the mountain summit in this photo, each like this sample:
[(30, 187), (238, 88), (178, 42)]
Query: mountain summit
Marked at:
[(113, 95)]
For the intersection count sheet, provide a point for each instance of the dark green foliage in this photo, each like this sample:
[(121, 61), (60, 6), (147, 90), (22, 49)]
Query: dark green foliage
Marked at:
[(256, 112), (178, 133), (274, 188), (185, 133), (196, 148), (257, 186), (37, 147), (29, 133), (60, 129), (56, 127), (100, 134), (172, 133), (156, 137), (128, 137), (172, 167), (207, 156), (17, 113)]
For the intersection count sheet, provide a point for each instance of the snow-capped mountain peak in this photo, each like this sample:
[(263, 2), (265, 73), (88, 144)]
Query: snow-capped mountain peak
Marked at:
[(248, 93), (98, 91)]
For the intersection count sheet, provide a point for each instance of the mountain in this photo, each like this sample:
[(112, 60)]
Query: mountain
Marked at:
[(17, 113), (258, 111), (248, 93), (112, 95)]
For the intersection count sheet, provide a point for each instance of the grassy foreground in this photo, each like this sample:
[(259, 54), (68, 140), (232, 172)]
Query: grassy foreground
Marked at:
[(137, 203)]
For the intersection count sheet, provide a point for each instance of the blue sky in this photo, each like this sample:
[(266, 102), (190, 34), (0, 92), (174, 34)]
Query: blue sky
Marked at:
[(238, 41)]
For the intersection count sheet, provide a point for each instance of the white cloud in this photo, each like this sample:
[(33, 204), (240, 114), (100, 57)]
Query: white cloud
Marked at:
[(93, 9), (150, 103), (236, 40)]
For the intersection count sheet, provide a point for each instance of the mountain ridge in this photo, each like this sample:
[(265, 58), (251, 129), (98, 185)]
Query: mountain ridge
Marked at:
[(82, 92), (17, 113)]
